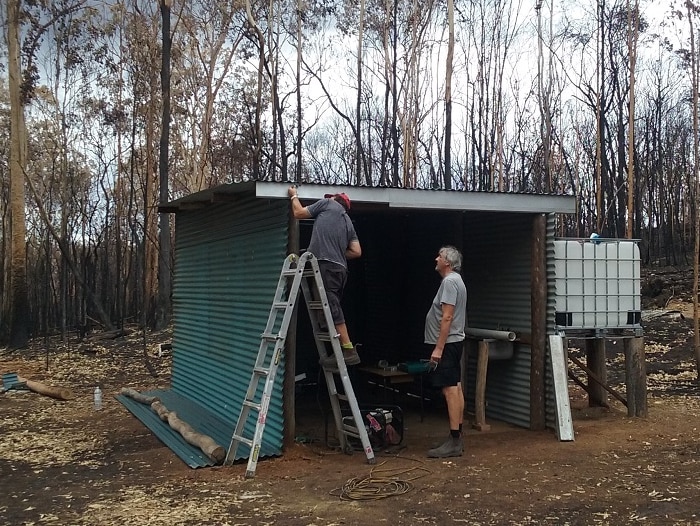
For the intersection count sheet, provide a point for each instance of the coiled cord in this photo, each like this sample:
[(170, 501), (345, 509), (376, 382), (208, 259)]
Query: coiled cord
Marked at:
[(381, 483)]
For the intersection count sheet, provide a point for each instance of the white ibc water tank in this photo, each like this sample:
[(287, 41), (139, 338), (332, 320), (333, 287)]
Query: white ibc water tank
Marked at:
[(598, 283)]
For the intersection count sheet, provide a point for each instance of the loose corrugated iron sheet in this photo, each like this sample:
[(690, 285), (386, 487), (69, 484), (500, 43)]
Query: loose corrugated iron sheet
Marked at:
[(201, 420), (227, 263)]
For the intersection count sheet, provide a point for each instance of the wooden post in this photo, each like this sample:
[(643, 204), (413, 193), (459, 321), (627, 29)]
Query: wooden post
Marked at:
[(636, 377), (538, 303), (482, 365), (595, 360)]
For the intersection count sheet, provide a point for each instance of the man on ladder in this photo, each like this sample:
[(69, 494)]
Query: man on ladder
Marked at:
[(322, 280), (333, 242)]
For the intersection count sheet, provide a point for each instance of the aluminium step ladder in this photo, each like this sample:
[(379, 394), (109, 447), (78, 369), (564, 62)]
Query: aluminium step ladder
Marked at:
[(298, 272)]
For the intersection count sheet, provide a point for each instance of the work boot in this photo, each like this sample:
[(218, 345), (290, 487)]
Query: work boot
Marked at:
[(453, 447), (350, 355)]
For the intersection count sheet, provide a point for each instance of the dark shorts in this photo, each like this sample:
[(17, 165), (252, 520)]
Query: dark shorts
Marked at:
[(334, 277), (448, 373)]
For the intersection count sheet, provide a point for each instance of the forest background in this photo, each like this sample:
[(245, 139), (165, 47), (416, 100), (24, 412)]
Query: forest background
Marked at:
[(110, 107)]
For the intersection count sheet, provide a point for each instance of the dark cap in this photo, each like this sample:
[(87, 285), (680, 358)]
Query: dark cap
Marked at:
[(342, 197)]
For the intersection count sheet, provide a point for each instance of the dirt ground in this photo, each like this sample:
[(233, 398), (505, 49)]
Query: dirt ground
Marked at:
[(63, 463)]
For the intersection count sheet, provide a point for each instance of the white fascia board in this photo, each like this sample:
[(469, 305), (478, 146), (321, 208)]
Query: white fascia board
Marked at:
[(429, 199)]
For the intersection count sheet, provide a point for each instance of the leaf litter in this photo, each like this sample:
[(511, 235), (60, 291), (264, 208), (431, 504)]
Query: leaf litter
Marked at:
[(64, 463)]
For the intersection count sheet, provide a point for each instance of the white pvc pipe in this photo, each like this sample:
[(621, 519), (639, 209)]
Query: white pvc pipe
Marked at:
[(488, 333)]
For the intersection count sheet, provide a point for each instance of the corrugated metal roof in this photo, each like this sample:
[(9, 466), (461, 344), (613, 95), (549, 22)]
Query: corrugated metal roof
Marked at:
[(400, 198)]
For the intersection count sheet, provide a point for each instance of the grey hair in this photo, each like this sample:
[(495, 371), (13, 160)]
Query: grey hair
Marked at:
[(452, 256)]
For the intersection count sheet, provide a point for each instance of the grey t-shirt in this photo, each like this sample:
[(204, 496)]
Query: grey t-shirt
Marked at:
[(452, 291), (332, 233)]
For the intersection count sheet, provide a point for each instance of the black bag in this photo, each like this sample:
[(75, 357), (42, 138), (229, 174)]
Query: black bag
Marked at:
[(384, 426)]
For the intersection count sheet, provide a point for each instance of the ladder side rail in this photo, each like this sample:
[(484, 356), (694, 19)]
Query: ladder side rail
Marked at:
[(262, 414), (285, 298), (313, 314), (288, 285), (237, 435), (314, 283), (349, 394), (357, 416)]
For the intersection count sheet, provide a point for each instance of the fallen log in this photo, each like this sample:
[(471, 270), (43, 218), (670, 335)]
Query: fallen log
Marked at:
[(209, 447), (109, 335), (139, 397), (59, 393)]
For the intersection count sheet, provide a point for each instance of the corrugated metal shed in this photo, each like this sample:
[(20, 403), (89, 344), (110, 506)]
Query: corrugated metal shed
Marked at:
[(230, 244)]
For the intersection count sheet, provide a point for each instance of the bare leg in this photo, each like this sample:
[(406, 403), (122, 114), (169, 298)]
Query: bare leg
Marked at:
[(342, 329), (349, 351), (454, 397)]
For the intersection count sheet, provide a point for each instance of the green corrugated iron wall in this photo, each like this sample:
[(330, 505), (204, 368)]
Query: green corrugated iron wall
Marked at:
[(550, 408), (227, 259), (498, 278)]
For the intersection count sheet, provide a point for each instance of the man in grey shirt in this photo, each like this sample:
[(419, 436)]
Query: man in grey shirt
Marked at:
[(333, 242), (444, 332)]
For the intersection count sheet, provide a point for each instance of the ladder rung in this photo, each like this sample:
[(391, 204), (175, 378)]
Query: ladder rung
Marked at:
[(324, 336), (262, 371), (282, 304), (315, 305), (246, 441), (307, 273), (254, 405), (270, 336), (351, 431)]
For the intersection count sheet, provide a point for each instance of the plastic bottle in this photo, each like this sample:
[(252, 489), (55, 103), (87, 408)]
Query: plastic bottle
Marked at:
[(97, 399)]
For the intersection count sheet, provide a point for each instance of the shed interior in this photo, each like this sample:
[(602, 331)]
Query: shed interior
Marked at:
[(391, 286)]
